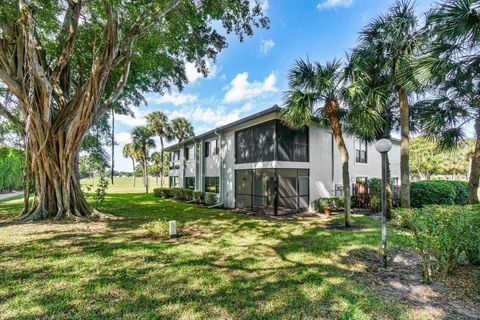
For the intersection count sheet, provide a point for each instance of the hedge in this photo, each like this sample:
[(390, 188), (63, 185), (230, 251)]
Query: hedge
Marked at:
[(187, 195), (11, 166), (428, 192), (444, 232)]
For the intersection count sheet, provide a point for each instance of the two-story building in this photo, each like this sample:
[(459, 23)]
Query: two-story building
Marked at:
[(259, 164)]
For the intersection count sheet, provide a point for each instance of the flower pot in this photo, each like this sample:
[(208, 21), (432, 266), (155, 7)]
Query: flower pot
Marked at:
[(326, 212)]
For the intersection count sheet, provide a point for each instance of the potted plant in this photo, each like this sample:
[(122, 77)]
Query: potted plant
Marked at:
[(327, 205)]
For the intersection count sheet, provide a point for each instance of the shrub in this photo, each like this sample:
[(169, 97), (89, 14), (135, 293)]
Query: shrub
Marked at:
[(332, 203), (162, 192), (211, 198), (187, 194), (461, 191), (101, 190), (375, 203), (445, 233), (432, 192), (11, 166), (176, 192), (198, 196), (159, 228)]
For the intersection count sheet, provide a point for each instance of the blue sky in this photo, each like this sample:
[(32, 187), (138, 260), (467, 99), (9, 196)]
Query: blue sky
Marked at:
[(251, 76)]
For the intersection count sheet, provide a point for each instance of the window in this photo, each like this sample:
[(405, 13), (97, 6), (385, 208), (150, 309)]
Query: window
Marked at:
[(190, 183), (360, 151), (190, 153), (361, 180), (175, 155), (173, 182), (212, 184), (211, 148), (257, 143), (292, 144)]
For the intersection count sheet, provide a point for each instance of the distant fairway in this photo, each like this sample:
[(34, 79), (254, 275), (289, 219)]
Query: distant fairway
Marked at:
[(125, 184)]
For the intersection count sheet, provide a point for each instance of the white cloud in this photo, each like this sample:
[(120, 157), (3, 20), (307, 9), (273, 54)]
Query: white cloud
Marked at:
[(329, 4), (174, 98), (137, 120), (266, 46), (241, 89), (265, 6), (193, 75), (123, 137)]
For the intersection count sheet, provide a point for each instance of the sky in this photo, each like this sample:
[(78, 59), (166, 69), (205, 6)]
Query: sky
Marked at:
[(251, 76)]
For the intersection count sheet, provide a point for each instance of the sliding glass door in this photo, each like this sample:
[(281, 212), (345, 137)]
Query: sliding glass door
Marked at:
[(272, 191)]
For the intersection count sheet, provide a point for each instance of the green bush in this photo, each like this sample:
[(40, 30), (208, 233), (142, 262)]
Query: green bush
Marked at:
[(428, 192), (101, 191), (444, 233), (332, 203), (187, 194), (11, 167), (176, 193), (159, 228), (375, 203), (162, 192), (461, 190), (211, 198), (198, 196)]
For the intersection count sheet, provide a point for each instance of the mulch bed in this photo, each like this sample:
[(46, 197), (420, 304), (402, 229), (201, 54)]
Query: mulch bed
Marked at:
[(456, 297)]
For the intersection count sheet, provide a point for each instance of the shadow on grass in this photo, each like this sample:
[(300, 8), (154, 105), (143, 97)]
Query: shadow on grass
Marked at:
[(229, 266)]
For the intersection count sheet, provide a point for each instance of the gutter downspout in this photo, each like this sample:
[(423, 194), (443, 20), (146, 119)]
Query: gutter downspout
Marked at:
[(220, 200)]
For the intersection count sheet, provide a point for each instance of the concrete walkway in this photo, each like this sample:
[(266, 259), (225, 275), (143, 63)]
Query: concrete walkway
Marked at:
[(9, 195)]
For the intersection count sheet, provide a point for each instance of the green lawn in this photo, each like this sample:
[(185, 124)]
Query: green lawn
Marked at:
[(227, 266), (125, 184)]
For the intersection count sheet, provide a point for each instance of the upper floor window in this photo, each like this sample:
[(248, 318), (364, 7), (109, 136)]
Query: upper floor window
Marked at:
[(190, 153), (257, 143), (360, 151), (175, 155), (292, 144), (211, 148)]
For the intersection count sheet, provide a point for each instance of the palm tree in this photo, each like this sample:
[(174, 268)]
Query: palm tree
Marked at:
[(372, 104), (395, 39), (142, 142), (316, 91), (129, 152), (156, 158), (452, 62), (180, 128), (157, 123)]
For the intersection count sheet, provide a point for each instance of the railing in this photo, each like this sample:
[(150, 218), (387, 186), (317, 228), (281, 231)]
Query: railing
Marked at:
[(361, 195)]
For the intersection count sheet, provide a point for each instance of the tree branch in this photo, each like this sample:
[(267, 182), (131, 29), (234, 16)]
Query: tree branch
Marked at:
[(7, 114), (64, 58), (13, 85)]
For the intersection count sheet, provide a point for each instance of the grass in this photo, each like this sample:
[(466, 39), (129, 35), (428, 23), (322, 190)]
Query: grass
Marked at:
[(125, 184), (228, 266)]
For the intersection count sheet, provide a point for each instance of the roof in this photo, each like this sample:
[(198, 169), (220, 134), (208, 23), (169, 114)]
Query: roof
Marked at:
[(270, 110), (273, 109)]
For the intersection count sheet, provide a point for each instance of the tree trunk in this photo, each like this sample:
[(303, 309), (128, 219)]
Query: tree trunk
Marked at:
[(332, 111), (161, 162), (473, 180), (54, 167), (145, 174), (404, 149), (388, 193), (113, 144), (133, 163)]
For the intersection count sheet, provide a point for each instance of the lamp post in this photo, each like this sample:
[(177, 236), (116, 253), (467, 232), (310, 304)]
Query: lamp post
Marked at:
[(384, 146)]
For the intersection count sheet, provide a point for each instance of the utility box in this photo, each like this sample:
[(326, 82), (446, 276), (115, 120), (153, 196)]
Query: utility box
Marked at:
[(172, 228)]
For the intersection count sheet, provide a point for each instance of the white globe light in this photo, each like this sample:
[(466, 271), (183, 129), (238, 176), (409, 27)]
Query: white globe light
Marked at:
[(383, 145)]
